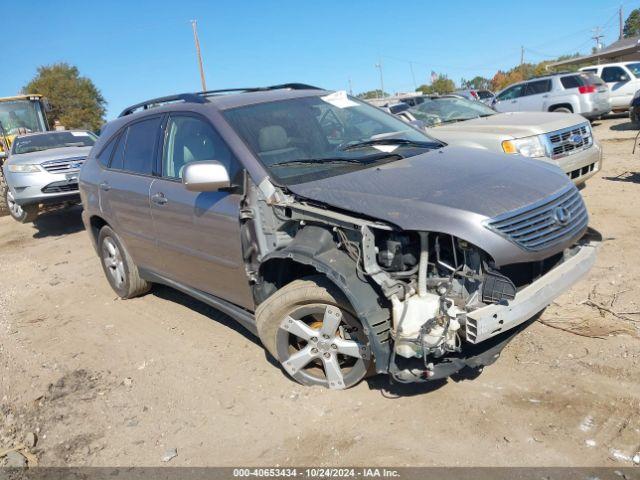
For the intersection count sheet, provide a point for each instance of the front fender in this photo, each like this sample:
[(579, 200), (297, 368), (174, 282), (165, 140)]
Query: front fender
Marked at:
[(315, 247)]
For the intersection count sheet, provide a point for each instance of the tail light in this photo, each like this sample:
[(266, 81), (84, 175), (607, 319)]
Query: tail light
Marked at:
[(587, 89), (474, 94)]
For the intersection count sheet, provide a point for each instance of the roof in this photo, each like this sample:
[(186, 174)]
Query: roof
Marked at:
[(31, 96), (623, 46), (229, 98)]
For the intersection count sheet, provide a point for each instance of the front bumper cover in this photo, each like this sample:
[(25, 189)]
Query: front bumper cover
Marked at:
[(492, 320)]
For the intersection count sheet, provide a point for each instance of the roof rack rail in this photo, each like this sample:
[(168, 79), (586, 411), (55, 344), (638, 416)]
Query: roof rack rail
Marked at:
[(200, 97), (182, 97), (292, 86)]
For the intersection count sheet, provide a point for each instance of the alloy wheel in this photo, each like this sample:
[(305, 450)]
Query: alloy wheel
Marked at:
[(322, 345), (112, 258), (15, 209)]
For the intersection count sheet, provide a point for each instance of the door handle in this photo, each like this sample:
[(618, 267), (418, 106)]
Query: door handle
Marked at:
[(159, 199), (105, 186), (514, 101), (545, 96)]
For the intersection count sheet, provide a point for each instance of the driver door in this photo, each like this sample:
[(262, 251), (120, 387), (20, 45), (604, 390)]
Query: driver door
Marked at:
[(198, 233), (509, 100)]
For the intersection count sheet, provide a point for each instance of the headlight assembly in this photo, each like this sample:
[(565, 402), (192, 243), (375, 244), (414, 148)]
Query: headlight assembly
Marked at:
[(527, 146), (24, 168)]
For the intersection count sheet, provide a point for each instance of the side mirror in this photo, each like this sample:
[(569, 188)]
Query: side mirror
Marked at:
[(624, 78), (207, 176), (3, 155)]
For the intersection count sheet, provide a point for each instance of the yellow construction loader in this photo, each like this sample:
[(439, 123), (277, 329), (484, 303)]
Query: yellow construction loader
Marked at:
[(18, 115)]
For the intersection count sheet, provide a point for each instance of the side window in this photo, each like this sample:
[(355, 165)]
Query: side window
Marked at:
[(511, 93), (105, 155), (117, 161), (538, 87), (572, 81), (590, 70), (191, 139), (141, 143), (614, 74)]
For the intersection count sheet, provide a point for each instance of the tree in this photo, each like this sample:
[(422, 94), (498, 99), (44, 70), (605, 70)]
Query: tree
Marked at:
[(441, 84), (372, 94), (476, 83), (632, 24), (75, 100)]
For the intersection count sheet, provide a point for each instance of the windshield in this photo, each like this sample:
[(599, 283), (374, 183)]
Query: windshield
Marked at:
[(635, 68), (45, 141), (309, 138), (438, 110), (21, 116)]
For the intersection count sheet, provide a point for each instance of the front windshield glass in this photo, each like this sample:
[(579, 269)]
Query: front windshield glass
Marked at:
[(635, 68), (438, 110), (21, 116), (45, 141), (309, 138)]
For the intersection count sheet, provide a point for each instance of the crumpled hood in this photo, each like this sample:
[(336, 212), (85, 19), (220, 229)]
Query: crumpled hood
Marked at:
[(50, 154), (512, 124), (439, 190)]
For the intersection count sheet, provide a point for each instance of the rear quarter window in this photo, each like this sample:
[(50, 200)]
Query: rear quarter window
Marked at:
[(572, 81), (104, 157)]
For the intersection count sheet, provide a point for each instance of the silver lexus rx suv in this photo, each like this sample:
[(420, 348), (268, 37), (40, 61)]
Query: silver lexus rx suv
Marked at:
[(348, 241)]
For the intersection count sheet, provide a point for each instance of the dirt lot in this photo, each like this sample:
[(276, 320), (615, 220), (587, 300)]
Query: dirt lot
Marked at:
[(109, 382)]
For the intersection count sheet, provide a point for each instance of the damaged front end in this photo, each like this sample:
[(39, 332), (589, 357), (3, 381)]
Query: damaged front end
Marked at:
[(430, 303)]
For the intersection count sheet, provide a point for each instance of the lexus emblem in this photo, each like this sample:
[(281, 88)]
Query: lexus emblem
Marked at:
[(562, 215)]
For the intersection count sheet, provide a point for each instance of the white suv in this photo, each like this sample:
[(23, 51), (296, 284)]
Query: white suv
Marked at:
[(579, 92), (623, 80)]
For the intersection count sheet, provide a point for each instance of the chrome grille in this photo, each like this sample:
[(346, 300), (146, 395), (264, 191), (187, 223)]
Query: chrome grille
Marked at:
[(65, 165), (544, 224), (570, 140)]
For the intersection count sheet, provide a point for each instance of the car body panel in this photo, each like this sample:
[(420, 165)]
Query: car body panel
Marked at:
[(198, 233), (451, 190)]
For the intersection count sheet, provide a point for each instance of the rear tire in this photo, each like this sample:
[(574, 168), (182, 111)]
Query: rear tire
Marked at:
[(118, 267), (310, 328), (562, 110), (26, 214)]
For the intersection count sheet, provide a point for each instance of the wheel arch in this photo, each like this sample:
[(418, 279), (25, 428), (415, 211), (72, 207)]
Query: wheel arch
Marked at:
[(96, 222), (314, 250), (555, 106)]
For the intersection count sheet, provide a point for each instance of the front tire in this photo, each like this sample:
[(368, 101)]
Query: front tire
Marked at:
[(121, 272), (562, 110), (310, 328), (26, 214)]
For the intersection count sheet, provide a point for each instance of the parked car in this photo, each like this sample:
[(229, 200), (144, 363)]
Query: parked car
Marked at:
[(42, 169), (565, 140), (623, 80), (348, 241), (484, 96), (582, 93)]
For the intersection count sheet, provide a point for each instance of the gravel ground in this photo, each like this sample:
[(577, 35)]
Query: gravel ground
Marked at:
[(106, 382)]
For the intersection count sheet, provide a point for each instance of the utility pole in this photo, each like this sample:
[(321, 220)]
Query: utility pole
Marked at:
[(620, 22), (413, 76), (379, 67), (597, 35), (350, 87), (521, 56), (194, 25)]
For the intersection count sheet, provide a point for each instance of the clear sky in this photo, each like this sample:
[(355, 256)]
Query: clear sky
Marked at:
[(135, 50)]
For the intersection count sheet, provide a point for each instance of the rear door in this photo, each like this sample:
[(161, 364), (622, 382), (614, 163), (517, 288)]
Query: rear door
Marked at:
[(621, 86), (509, 99), (198, 233), (124, 189), (534, 98)]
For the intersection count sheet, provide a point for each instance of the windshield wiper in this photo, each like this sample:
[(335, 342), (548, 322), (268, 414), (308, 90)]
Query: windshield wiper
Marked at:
[(391, 141), (366, 160)]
